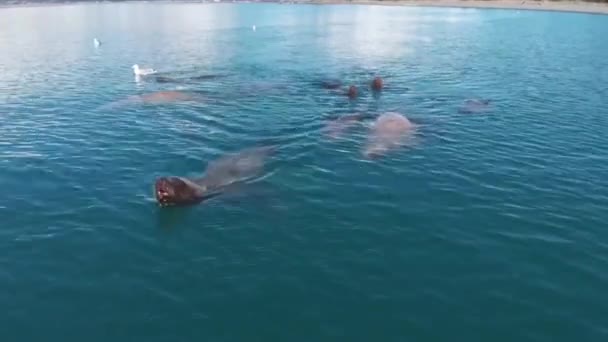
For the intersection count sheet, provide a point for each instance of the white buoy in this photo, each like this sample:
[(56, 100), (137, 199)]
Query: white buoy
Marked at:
[(142, 72), (96, 42)]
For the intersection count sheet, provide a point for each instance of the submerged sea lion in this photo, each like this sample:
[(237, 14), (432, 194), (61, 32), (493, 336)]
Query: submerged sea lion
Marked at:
[(474, 106), (167, 97), (165, 79), (336, 127), (264, 87), (206, 77), (330, 84), (221, 173), (390, 130), (158, 97)]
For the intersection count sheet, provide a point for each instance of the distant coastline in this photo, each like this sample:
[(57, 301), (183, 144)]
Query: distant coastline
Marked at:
[(582, 6), (591, 7)]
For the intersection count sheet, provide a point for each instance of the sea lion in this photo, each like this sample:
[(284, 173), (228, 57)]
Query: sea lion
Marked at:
[(227, 170), (336, 127), (352, 92), (474, 106), (330, 84), (377, 84), (388, 132)]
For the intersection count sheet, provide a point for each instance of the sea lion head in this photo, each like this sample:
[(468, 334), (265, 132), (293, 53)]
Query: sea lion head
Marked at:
[(352, 92), (377, 84), (176, 191)]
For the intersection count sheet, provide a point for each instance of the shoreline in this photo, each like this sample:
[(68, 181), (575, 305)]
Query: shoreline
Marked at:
[(531, 5)]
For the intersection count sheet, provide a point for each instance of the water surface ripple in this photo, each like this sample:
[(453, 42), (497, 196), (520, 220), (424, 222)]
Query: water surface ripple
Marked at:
[(490, 227)]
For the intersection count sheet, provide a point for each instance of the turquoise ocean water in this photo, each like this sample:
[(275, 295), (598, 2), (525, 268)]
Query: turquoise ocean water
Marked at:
[(491, 227)]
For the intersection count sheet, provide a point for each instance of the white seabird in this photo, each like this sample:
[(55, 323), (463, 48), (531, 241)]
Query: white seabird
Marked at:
[(142, 72)]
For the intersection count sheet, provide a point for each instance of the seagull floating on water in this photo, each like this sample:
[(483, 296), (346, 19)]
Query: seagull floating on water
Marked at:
[(96, 42), (253, 27), (142, 72)]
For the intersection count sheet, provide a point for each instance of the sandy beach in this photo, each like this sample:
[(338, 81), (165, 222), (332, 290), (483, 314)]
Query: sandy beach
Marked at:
[(563, 6)]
